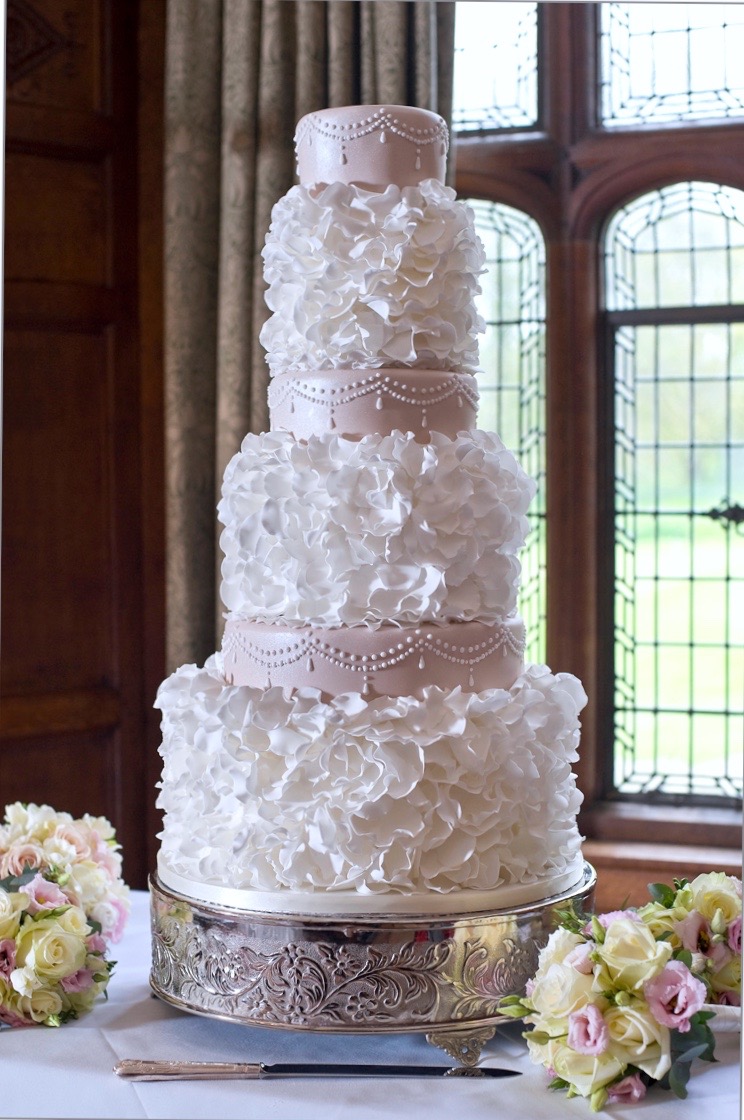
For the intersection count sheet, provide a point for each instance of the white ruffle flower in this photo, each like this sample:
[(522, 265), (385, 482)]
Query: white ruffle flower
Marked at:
[(269, 790), (364, 279), (385, 529)]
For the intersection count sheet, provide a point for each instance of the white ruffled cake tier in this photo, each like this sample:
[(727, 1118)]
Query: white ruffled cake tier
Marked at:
[(382, 530), (368, 279), (369, 805)]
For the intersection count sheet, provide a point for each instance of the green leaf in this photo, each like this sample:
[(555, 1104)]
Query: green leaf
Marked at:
[(684, 956), (14, 882), (558, 1083), (662, 893), (678, 1078)]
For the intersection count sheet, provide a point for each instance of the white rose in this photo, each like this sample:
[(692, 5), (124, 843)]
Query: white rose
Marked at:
[(586, 1072), (716, 891), (12, 907), (629, 956), (558, 992), (41, 1004), (74, 921), (52, 951), (636, 1038), (560, 943)]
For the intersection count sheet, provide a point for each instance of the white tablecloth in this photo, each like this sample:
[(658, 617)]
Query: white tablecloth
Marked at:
[(67, 1072)]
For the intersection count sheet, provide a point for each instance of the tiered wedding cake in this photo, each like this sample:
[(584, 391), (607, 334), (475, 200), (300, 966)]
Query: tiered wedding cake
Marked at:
[(369, 739)]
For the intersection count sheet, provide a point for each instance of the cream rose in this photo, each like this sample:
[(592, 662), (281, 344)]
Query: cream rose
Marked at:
[(560, 943), (74, 921), (41, 1004), (12, 907), (586, 1072), (636, 1038), (51, 950), (629, 956), (716, 891), (558, 992)]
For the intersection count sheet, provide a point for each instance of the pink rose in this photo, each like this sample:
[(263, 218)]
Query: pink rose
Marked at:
[(579, 958), (43, 895), (629, 1091), (733, 999), (587, 1030), (734, 936), (76, 837), (675, 995), (78, 981), (19, 857), (7, 956)]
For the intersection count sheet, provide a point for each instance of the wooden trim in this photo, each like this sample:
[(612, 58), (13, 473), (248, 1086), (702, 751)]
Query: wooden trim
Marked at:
[(60, 713), (624, 870), (625, 821)]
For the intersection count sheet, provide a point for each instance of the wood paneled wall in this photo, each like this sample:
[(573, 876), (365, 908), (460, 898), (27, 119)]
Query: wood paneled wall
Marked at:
[(82, 601)]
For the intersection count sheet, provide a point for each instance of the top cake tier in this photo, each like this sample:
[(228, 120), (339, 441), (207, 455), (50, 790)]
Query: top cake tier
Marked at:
[(371, 146)]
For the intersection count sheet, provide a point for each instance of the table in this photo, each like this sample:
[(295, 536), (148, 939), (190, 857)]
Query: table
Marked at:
[(67, 1072)]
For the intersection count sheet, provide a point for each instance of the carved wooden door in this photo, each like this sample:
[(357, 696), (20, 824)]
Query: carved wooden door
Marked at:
[(75, 729)]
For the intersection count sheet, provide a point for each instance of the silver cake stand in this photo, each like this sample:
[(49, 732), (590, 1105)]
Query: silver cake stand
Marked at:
[(442, 975)]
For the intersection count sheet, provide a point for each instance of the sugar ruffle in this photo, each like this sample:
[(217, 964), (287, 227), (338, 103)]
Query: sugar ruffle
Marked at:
[(271, 790), (365, 279), (342, 532)]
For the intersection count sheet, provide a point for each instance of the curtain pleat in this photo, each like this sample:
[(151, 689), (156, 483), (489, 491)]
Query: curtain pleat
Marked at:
[(239, 74)]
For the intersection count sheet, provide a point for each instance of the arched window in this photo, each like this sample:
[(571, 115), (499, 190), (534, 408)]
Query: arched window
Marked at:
[(630, 172), (512, 384), (674, 297)]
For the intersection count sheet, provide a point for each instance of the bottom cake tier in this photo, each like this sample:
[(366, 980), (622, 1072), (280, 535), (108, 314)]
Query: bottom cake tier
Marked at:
[(294, 803)]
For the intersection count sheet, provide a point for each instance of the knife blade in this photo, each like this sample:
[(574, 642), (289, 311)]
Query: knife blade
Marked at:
[(141, 1070)]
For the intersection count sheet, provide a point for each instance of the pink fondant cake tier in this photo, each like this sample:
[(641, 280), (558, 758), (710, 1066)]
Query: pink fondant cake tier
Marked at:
[(371, 145), (352, 402), (389, 661)]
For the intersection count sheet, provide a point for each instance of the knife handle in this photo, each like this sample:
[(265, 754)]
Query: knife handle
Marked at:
[(139, 1070)]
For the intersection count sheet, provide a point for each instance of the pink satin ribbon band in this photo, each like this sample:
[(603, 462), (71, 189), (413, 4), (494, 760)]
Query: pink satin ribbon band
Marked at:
[(354, 402), (389, 661)]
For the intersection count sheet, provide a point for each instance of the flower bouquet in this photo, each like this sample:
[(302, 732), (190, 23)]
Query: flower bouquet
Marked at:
[(621, 1001), (62, 900)]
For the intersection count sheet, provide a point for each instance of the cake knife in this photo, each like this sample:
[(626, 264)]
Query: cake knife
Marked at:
[(139, 1070)]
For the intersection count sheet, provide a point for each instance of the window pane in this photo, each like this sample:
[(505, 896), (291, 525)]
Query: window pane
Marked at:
[(679, 246), (495, 78), (671, 62), (512, 381), (679, 472)]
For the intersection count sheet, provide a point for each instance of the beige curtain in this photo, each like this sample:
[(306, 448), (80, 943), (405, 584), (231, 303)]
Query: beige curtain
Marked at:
[(239, 74)]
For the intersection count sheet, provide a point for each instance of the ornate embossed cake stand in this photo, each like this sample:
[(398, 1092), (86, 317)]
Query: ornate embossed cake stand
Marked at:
[(443, 975)]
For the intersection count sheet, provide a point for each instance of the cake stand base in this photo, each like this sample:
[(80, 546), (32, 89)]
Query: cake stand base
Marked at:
[(441, 975)]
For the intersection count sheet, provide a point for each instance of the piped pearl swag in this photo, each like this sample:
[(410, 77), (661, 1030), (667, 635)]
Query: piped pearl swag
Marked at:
[(387, 389), (269, 657), (383, 121)]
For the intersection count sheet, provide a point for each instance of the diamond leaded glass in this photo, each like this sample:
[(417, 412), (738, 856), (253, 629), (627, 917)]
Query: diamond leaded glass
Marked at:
[(512, 381), (495, 78), (662, 63), (674, 289)]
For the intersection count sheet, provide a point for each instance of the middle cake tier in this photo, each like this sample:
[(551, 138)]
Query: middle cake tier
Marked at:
[(389, 661), (332, 531)]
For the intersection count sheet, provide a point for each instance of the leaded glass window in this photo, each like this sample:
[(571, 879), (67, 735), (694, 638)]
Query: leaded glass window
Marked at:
[(671, 62), (495, 77), (674, 281), (512, 384)]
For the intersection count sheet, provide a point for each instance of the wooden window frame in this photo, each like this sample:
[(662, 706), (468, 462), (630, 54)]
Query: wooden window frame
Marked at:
[(571, 175)]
